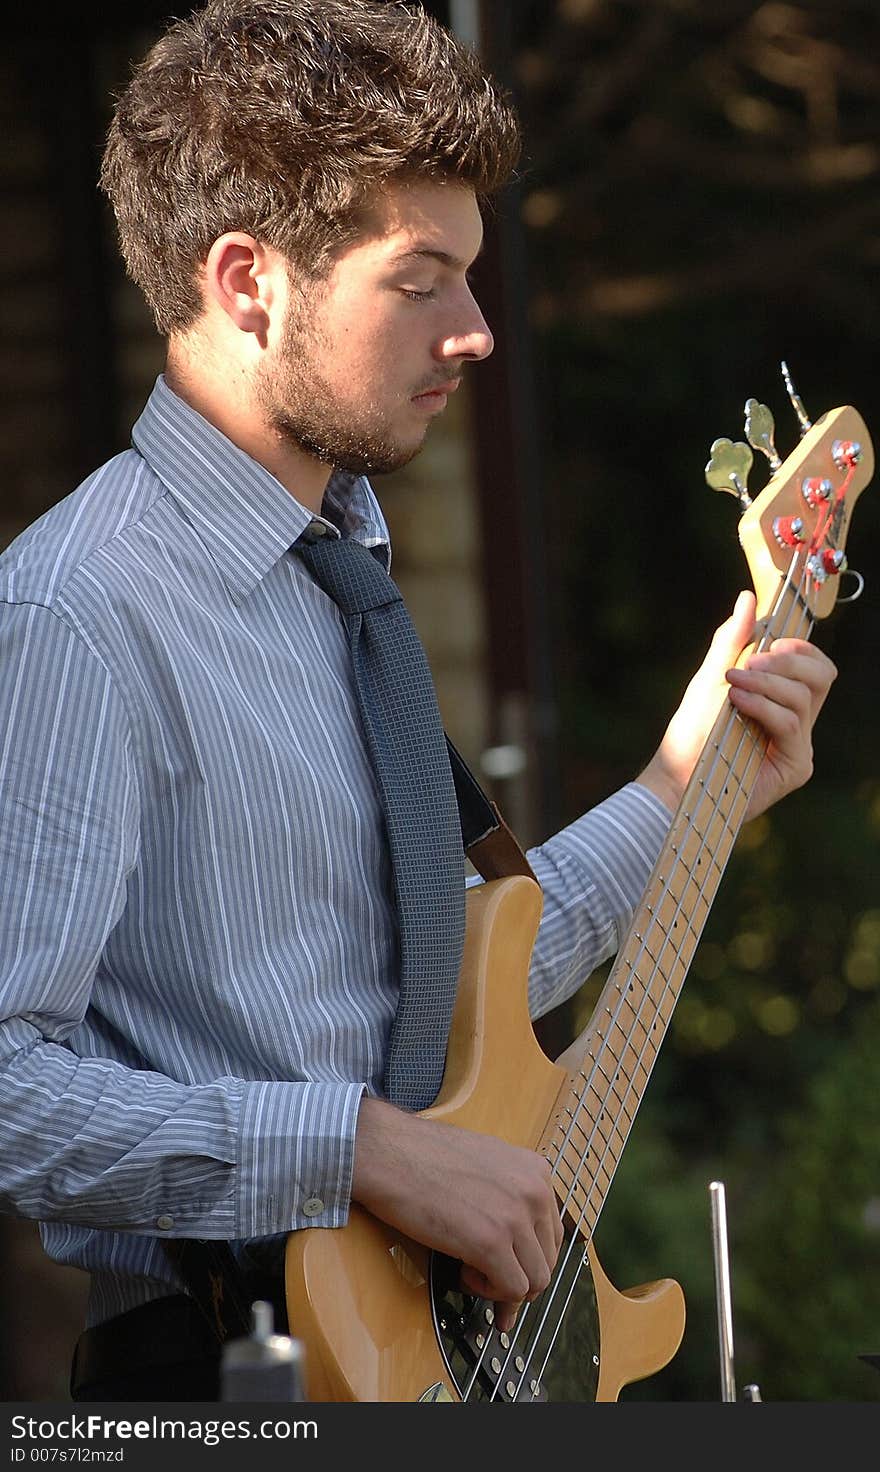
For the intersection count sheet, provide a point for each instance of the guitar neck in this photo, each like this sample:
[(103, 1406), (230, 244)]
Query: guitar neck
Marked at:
[(793, 535), (621, 1042)]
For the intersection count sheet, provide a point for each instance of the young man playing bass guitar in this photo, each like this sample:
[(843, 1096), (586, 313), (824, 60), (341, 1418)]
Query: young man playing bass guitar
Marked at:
[(201, 944)]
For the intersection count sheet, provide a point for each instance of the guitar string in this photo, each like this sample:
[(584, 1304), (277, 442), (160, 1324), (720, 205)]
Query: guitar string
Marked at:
[(575, 1242), (755, 747), (546, 1299), (611, 1140), (748, 734), (608, 1139)]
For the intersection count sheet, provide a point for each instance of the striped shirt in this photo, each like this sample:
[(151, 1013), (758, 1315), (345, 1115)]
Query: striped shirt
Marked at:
[(198, 948)]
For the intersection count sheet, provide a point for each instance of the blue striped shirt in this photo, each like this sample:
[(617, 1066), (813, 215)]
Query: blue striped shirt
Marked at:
[(197, 955)]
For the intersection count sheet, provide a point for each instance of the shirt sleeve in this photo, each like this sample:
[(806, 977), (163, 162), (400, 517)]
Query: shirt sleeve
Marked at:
[(88, 1140), (593, 874)]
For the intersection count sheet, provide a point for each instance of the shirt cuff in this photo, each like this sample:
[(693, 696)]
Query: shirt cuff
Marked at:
[(296, 1156)]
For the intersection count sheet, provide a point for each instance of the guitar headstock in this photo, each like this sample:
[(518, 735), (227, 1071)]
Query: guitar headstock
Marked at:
[(794, 533)]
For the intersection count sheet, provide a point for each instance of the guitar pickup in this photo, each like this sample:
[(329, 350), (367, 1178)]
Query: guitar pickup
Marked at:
[(503, 1374)]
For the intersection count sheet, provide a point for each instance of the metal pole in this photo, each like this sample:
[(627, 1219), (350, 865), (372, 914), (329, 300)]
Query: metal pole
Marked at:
[(722, 1289)]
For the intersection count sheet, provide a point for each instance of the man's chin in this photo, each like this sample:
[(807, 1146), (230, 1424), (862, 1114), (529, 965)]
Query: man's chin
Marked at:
[(344, 451), (398, 460), (379, 460)]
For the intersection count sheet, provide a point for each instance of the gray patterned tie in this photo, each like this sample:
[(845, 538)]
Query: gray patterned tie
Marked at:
[(408, 748)]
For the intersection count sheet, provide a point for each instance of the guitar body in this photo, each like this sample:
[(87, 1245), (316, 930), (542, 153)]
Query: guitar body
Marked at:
[(381, 1317)]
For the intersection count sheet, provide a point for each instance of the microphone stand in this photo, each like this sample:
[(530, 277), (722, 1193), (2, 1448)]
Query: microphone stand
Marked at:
[(721, 1259)]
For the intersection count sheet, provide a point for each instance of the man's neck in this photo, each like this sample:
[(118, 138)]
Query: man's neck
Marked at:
[(234, 414)]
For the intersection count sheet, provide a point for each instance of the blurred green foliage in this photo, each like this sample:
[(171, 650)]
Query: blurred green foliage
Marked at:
[(702, 199)]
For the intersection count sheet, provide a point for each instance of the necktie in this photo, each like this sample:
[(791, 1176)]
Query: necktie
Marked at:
[(408, 748)]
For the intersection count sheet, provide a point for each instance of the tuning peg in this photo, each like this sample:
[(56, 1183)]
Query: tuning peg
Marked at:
[(828, 562), (760, 427), (846, 454), (796, 401), (728, 469)]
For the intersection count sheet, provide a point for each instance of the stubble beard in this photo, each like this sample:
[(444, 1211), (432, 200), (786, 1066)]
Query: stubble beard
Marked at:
[(302, 408)]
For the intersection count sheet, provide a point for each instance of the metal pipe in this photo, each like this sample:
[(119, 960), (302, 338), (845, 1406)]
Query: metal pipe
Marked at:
[(722, 1289)]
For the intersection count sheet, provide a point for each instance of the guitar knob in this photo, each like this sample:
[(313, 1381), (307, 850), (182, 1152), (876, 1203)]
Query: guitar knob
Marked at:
[(823, 565), (760, 429), (728, 469), (815, 489), (796, 401), (789, 531), (846, 453)]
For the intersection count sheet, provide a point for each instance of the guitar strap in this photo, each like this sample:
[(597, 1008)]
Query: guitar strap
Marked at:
[(488, 842), (209, 1269)]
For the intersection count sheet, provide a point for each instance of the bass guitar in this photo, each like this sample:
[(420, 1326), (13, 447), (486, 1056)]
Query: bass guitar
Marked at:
[(382, 1318)]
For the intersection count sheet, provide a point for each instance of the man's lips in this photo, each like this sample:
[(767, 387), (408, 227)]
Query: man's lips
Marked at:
[(439, 390)]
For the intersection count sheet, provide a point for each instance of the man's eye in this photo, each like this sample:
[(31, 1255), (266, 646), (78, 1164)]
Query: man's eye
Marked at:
[(418, 296)]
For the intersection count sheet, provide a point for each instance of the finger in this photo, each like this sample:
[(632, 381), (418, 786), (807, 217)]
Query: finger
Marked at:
[(505, 1316), (478, 1284), (548, 1221), (789, 681), (729, 640), (797, 661), (794, 657), (775, 691), (523, 1272), (742, 618), (791, 644), (549, 1234), (533, 1261), (738, 630), (786, 728), (506, 1280)]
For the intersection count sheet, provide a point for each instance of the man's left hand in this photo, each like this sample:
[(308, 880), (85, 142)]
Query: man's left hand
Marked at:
[(782, 688)]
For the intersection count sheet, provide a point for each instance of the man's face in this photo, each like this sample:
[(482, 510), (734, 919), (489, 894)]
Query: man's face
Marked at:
[(368, 356)]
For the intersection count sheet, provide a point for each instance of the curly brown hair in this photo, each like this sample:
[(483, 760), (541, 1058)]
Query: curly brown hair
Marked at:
[(284, 118)]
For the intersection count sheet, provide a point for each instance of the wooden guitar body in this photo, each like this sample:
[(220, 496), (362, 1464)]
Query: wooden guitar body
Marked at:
[(378, 1316)]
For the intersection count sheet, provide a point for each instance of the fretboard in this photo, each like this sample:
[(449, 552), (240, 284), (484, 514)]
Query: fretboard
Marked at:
[(623, 1038)]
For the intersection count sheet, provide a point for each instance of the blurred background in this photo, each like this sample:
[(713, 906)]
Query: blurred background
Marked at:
[(699, 200)]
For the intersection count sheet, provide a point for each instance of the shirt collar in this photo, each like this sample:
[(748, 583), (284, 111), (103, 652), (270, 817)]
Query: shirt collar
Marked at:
[(244, 516)]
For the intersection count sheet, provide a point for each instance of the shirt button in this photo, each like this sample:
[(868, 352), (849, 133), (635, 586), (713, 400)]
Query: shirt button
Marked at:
[(164, 1223), (317, 529), (313, 1206)]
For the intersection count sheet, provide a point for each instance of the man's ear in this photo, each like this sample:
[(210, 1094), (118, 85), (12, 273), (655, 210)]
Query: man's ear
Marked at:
[(239, 275)]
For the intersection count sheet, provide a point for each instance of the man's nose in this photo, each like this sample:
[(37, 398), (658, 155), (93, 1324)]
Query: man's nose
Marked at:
[(472, 339)]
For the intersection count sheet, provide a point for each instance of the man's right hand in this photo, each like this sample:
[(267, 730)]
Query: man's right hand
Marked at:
[(471, 1196)]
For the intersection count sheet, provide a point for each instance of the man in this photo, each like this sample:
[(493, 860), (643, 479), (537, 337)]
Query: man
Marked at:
[(199, 955)]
